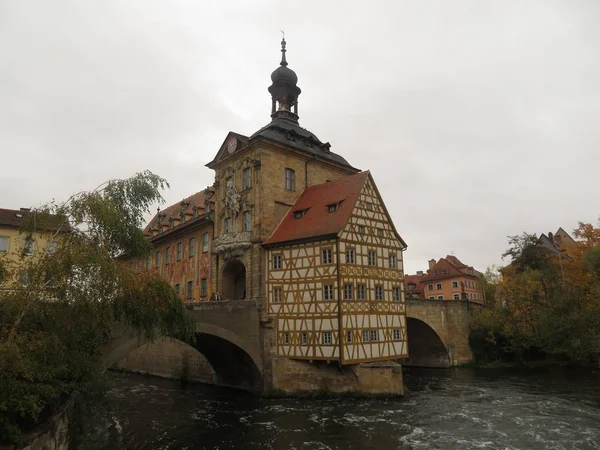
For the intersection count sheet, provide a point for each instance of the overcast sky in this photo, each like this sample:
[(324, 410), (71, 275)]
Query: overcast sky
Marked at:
[(478, 119)]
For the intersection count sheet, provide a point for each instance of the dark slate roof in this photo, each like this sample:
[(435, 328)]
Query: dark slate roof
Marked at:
[(16, 218), (289, 133)]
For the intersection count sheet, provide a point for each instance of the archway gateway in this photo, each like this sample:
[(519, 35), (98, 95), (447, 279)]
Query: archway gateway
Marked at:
[(234, 280)]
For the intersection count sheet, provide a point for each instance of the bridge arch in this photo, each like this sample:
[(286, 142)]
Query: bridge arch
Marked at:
[(426, 348), (235, 364)]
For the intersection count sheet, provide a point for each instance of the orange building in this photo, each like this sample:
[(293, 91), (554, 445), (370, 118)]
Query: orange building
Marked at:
[(446, 279)]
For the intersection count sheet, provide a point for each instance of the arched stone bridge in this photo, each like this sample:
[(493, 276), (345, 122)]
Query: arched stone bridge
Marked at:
[(227, 334), (438, 333)]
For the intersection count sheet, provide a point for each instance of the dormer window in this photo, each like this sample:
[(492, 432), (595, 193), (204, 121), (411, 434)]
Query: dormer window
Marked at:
[(333, 207), (299, 213)]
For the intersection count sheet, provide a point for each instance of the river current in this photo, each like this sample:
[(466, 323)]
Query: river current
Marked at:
[(550, 408)]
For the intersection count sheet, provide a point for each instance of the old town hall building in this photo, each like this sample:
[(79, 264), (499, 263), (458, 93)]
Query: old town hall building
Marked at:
[(292, 225)]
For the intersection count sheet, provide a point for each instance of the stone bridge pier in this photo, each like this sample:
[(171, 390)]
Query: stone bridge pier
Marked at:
[(438, 333), (235, 347)]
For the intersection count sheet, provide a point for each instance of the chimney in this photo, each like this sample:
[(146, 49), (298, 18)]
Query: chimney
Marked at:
[(551, 237), (419, 273), (431, 263)]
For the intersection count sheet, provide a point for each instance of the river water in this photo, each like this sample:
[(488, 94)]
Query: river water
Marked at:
[(446, 409)]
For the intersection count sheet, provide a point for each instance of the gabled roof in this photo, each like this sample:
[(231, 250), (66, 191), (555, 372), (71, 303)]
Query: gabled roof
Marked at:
[(416, 281), (455, 262), (442, 269), (174, 210), (223, 153), (316, 220)]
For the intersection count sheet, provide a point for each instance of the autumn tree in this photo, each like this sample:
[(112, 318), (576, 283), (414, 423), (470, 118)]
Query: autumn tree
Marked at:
[(58, 307)]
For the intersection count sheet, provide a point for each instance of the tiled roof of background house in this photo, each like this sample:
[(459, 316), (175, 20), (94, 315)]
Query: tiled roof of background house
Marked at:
[(313, 204), (17, 217)]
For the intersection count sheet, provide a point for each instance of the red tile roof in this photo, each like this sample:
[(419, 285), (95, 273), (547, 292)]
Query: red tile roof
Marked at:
[(317, 220), (174, 210), (15, 218), (448, 267), (418, 286)]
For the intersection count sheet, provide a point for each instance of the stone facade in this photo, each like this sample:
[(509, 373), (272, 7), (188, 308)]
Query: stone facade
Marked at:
[(296, 376)]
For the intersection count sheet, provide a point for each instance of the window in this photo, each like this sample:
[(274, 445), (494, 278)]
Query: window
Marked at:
[(246, 183), (440, 297), (361, 292), (192, 247), (378, 292), (190, 287), (286, 338), (276, 262), (179, 250), (178, 289), (148, 262), (277, 295), (349, 337), (374, 336), (431, 297), (379, 232), (361, 229), (290, 180), (348, 292), (167, 255), (392, 261), (52, 247), (157, 259), (205, 242), (326, 256), (396, 293), (28, 246), (327, 338), (299, 214), (455, 284), (304, 338), (332, 207), (24, 278), (438, 286), (328, 292), (350, 256), (369, 206), (203, 287), (365, 335), (229, 182), (207, 207), (396, 334), (430, 287), (372, 259), (227, 224), (3, 244), (246, 221), (456, 296)]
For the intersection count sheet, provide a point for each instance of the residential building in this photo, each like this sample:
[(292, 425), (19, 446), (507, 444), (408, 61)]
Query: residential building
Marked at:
[(16, 245), (446, 279), (296, 228)]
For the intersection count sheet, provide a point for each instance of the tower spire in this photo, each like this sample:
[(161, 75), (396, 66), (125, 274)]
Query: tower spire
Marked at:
[(283, 50), (284, 90)]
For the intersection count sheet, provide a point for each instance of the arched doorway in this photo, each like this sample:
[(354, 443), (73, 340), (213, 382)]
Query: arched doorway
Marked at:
[(425, 348), (233, 281)]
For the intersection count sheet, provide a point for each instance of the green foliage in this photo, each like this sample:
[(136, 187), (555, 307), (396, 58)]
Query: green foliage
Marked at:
[(53, 326), (546, 306)]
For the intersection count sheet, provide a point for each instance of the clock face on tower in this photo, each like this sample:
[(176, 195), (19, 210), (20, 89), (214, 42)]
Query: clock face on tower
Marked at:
[(232, 144)]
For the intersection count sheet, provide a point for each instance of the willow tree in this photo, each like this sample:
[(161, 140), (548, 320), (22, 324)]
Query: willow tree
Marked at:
[(58, 306)]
